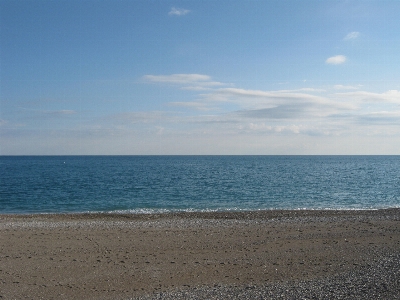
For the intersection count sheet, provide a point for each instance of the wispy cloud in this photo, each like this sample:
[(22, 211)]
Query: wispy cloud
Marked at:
[(282, 104), (226, 110), (310, 90), (352, 35), (345, 87), (273, 97), (262, 127), (391, 96), (178, 78), (187, 81), (336, 60), (382, 122), (39, 112), (178, 11), (292, 111), (59, 112)]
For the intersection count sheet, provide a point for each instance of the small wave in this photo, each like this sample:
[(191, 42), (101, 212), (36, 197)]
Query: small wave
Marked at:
[(234, 209)]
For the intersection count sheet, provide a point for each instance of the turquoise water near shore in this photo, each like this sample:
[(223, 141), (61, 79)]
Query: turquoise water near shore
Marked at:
[(146, 184)]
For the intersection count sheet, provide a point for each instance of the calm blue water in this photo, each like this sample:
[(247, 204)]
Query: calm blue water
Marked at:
[(41, 184)]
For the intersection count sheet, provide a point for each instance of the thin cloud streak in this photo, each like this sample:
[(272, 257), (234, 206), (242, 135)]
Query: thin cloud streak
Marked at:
[(59, 112), (391, 96), (345, 87), (259, 99), (188, 81), (352, 35), (178, 11)]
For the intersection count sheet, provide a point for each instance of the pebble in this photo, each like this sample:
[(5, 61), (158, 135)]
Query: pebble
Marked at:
[(380, 281)]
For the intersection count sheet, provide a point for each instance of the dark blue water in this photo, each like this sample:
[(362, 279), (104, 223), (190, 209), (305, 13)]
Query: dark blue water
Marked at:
[(39, 184)]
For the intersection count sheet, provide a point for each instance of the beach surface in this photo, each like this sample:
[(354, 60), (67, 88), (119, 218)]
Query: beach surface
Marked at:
[(217, 255)]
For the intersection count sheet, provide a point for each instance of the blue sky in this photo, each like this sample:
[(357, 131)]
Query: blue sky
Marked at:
[(199, 77)]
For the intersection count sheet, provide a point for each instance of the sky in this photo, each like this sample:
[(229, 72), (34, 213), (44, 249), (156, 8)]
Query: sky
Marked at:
[(287, 77)]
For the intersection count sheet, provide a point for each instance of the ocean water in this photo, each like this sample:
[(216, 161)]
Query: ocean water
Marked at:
[(145, 184)]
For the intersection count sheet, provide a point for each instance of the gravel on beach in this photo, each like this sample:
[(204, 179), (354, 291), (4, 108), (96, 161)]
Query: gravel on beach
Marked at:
[(215, 255), (379, 281)]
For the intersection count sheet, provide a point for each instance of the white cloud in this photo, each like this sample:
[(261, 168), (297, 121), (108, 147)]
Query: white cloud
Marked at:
[(59, 112), (195, 88), (351, 36), (178, 11), (187, 81), (49, 112), (278, 97), (177, 78), (310, 90), (276, 105), (336, 60), (384, 114), (262, 127), (271, 113), (345, 87), (391, 96)]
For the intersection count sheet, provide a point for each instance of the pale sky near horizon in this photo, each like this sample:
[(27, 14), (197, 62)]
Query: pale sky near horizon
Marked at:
[(199, 77)]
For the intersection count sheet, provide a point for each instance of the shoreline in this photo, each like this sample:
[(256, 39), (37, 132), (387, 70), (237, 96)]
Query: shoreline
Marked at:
[(175, 255), (201, 213)]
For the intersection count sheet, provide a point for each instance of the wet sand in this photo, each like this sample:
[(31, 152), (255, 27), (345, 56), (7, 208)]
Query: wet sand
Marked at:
[(193, 255)]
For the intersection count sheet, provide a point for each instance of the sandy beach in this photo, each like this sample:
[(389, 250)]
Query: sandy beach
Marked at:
[(239, 255)]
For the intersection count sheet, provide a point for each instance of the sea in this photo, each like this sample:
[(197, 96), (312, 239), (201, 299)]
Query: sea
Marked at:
[(160, 184)]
